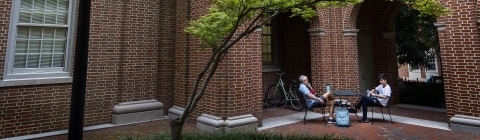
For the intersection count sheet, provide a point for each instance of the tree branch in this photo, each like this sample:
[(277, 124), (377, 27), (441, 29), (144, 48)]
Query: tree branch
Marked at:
[(213, 68)]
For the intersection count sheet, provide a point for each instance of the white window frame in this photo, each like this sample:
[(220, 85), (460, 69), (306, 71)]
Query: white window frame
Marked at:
[(435, 63), (36, 76)]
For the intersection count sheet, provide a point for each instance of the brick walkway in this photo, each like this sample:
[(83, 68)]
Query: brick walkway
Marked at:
[(379, 130)]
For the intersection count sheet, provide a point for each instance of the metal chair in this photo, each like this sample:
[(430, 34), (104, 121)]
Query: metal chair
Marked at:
[(388, 108), (304, 104)]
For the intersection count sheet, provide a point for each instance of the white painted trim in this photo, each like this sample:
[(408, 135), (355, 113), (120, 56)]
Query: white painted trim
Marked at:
[(350, 32), (42, 81), (65, 71), (316, 32), (440, 26)]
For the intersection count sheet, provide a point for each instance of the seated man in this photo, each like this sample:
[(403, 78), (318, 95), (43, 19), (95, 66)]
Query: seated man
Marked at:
[(373, 99), (313, 101)]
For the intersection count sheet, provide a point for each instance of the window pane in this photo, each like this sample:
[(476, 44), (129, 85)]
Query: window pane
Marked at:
[(50, 17), (32, 61), (22, 32), (48, 33), (34, 46), (59, 46), (63, 5), (46, 60), (62, 18), (47, 46), (61, 33), (19, 61), (52, 5), (268, 40), (25, 16), (35, 32), (39, 4), (58, 60), (21, 46), (26, 4), (37, 17)]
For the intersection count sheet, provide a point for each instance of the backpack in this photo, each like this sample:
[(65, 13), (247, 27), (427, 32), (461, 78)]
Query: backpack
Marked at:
[(342, 117)]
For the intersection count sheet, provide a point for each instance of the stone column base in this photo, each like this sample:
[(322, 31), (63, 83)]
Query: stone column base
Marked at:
[(465, 124), (138, 111), (176, 112), (209, 123)]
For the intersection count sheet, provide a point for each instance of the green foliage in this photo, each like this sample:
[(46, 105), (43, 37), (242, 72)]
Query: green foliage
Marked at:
[(247, 135), (215, 29), (431, 8), (416, 36)]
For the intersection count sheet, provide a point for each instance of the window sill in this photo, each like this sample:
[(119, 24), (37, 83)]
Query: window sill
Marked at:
[(276, 69), (43, 81)]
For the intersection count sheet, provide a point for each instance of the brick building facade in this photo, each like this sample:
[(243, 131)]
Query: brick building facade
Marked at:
[(139, 51)]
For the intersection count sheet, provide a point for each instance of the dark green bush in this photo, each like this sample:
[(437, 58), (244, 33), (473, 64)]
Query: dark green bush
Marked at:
[(422, 93), (237, 136)]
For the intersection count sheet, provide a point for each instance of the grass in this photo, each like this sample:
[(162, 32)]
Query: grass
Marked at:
[(248, 135)]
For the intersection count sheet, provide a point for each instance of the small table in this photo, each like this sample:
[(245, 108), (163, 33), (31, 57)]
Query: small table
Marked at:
[(345, 93), (341, 93)]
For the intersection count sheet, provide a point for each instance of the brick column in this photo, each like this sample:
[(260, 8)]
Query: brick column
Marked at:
[(460, 49)]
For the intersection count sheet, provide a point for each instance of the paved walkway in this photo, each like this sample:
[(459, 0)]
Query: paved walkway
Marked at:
[(410, 122)]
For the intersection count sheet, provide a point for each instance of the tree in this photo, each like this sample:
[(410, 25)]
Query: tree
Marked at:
[(416, 37), (228, 21)]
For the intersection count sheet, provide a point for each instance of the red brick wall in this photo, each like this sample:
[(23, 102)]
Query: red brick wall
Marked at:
[(403, 71), (460, 46), (236, 87), (334, 55), (166, 49), (45, 108)]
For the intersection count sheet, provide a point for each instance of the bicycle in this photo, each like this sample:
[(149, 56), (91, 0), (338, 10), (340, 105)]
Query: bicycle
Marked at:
[(275, 98)]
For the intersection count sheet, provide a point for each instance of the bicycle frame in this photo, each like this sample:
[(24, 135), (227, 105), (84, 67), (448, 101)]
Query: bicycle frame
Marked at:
[(288, 95)]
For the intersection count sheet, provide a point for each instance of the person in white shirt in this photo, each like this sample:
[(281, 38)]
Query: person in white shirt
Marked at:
[(374, 99)]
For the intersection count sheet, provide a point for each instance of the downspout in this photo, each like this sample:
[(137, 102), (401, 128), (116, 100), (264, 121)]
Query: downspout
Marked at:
[(122, 51), (189, 7)]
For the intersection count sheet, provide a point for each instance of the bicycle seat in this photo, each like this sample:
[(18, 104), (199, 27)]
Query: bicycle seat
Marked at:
[(282, 73), (293, 80)]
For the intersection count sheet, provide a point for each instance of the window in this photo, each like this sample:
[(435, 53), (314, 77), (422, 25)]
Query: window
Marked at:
[(432, 63), (269, 48), (267, 44), (40, 39)]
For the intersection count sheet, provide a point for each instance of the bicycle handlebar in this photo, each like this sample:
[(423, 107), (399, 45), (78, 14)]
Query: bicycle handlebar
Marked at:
[(280, 74)]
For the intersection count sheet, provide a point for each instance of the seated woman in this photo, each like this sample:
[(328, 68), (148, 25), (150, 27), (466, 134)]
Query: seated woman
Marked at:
[(313, 101)]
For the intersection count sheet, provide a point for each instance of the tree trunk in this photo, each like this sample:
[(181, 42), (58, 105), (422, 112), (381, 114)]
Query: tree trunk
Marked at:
[(176, 129)]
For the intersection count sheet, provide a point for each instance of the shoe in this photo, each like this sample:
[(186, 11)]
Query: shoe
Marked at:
[(365, 120), (352, 110), (332, 121)]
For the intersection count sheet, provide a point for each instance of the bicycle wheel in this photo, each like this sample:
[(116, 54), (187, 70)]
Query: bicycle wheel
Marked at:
[(295, 101), (275, 97)]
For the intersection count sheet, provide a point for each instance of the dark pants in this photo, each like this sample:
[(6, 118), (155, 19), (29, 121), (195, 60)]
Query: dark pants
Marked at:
[(366, 101)]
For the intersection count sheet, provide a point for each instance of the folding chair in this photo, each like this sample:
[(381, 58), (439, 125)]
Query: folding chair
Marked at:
[(304, 104)]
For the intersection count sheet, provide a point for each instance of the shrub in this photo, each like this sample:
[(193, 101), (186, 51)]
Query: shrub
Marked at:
[(237, 136)]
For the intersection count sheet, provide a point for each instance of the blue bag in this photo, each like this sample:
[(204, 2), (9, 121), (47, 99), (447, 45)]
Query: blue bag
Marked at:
[(342, 117)]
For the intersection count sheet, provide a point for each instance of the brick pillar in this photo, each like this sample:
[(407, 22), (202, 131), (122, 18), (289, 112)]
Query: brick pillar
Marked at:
[(460, 48)]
